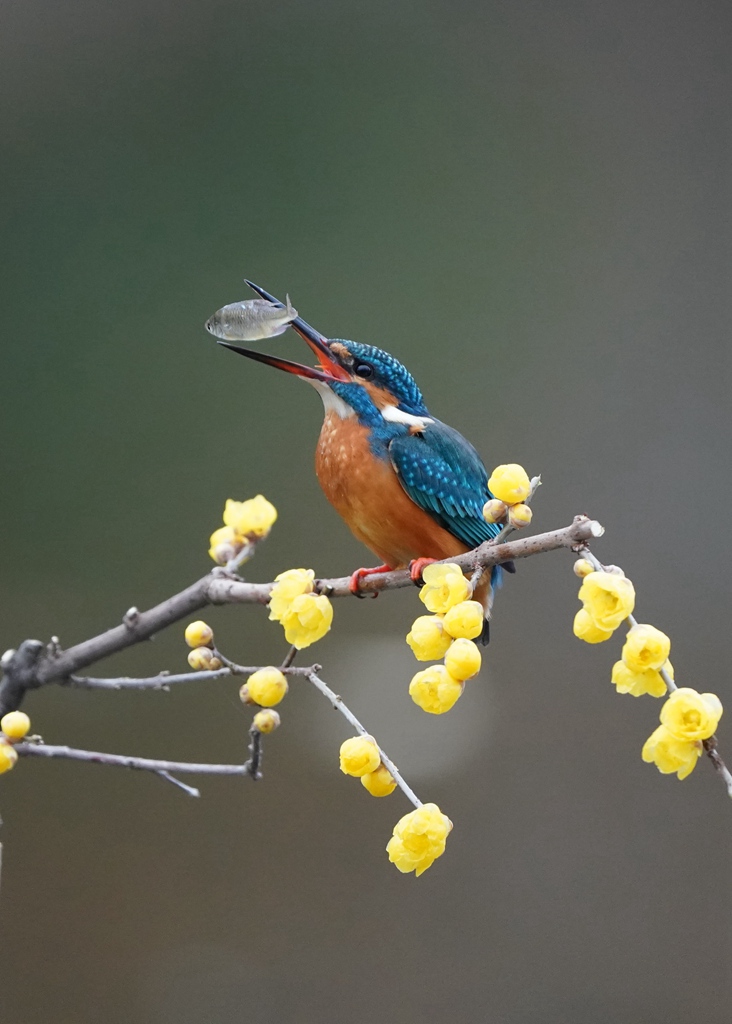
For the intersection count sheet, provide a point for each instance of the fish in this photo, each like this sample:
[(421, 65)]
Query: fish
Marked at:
[(251, 320)]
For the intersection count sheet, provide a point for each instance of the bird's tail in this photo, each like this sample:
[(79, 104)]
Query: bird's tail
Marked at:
[(485, 592)]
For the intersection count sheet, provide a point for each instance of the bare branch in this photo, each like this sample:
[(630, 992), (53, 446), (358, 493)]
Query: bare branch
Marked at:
[(125, 761)]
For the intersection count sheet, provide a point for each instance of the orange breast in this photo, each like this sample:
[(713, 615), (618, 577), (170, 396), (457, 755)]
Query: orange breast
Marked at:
[(366, 492)]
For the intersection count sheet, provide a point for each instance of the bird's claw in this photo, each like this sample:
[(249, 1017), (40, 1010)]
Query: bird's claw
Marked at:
[(417, 567), (354, 584)]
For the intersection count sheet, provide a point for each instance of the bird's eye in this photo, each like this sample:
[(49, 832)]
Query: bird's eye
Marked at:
[(364, 370)]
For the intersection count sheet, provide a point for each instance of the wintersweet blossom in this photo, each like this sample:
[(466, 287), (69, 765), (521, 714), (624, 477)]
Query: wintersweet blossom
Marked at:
[(671, 754), (251, 518), (428, 639), (463, 659), (691, 716), (645, 647), (203, 659), (585, 628), (649, 681), (379, 782), (444, 587), (359, 755), (8, 757), (266, 686), (308, 619), (607, 598), (267, 720), (287, 586), (519, 515), (510, 483), (15, 725), (495, 511), (464, 620), (419, 839), (435, 690)]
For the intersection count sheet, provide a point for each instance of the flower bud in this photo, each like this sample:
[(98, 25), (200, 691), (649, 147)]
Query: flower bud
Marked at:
[(359, 755), (435, 690), (267, 686), (203, 659), (464, 620), (510, 484), (379, 782), (198, 634), (225, 544), (15, 724), (494, 511), (8, 757), (428, 639), (583, 567), (244, 695), (519, 515), (266, 721), (463, 660)]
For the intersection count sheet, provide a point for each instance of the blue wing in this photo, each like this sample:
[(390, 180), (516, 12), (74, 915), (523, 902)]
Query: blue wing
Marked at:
[(443, 474)]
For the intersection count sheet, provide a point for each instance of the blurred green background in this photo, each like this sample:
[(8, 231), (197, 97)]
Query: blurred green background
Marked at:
[(528, 203)]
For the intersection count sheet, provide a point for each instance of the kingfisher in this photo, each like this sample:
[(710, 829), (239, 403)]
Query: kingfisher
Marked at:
[(410, 487)]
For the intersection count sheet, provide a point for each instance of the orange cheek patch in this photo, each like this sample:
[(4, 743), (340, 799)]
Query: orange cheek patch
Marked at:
[(379, 396)]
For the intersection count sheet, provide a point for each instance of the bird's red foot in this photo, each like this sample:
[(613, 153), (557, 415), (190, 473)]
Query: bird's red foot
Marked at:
[(354, 584), (417, 567)]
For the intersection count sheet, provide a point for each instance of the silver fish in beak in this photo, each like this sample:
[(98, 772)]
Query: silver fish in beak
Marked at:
[(252, 320)]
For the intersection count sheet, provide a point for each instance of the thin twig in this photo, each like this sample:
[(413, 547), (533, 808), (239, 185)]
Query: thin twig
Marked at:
[(190, 790), (125, 761), (254, 764), (338, 704)]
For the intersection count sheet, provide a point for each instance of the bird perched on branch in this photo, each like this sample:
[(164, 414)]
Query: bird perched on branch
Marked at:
[(411, 488)]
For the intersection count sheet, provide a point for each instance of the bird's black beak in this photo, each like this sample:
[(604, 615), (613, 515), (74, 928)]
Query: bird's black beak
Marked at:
[(330, 368)]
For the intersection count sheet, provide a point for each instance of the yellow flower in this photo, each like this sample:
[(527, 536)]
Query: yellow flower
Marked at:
[(8, 757), (266, 687), (287, 586), (670, 754), (379, 782), (494, 511), (510, 484), (463, 660), (225, 544), (251, 518), (607, 598), (266, 721), (428, 638), (15, 724), (519, 515), (203, 659), (585, 629), (359, 755), (198, 634), (435, 690), (645, 647), (464, 620), (637, 683), (445, 586), (691, 716), (419, 839), (308, 619)]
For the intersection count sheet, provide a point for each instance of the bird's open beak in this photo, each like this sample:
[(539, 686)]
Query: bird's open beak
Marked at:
[(330, 368)]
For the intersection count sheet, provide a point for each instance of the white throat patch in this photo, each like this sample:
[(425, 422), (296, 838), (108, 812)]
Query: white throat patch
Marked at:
[(331, 401)]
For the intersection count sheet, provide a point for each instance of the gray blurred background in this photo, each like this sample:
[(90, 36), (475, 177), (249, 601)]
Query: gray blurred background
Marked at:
[(528, 203)]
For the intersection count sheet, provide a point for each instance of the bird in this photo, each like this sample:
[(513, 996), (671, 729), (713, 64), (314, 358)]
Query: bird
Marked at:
[(411, 488)]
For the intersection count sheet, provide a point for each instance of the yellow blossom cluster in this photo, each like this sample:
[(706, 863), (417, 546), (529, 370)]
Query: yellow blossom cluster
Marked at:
[(244, 521), (510, 487), (687, 718), (361, 758), (448, 634), (304, 615), (14, 727), (203, 657), (419, 839)]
